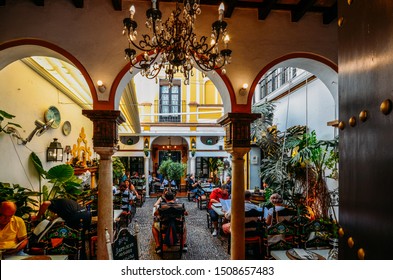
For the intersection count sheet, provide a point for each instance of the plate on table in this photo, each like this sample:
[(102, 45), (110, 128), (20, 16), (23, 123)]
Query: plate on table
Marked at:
[(301, 254)]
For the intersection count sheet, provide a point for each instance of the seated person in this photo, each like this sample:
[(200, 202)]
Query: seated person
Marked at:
[(13, 234), (162, 199), (277, 201), (215, 196), (226, 228), (128, 195), (155, 183), (170, 200), (194, 187), (71, 212)]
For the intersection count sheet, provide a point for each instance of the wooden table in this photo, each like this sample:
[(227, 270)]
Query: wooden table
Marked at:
[(282, 254), (37, 257), (116, 214)]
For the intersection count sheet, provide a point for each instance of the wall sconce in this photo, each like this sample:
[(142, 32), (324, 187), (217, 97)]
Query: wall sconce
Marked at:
[(243, 90), (193, 147), (54, 151), (101, 86), (67, 150)]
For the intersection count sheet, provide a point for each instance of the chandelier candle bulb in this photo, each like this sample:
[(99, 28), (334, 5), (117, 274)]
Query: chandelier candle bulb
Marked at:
[(132, 11), (221, 9)]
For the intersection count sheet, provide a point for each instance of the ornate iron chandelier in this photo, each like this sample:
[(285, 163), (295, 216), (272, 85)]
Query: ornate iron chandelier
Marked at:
[(173, 46)]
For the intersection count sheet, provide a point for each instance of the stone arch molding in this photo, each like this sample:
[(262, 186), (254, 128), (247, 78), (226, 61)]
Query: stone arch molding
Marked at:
[(18, 49), (324, 69)]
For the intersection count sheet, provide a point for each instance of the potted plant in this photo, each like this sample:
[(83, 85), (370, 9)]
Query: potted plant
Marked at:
[(173, 170), (64, 182), (24, 198)]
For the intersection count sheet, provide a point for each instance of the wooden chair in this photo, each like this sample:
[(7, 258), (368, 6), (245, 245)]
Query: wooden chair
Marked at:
[(281, 236), (315, 235), (203, 200), (255, 230), (171, 225), (63, 240)]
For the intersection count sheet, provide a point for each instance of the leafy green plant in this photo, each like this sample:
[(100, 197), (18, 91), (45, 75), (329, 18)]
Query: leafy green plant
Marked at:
[(294, 163), (25, 199), (9, 127), (172, 170), (117, 167), (64, 182)]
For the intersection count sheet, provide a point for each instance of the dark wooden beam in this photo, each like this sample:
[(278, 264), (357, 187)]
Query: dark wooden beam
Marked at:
[(300, 9), (330, 14), (78, 3), (117, 5), (229, 7), (39, 2), (265, 8)]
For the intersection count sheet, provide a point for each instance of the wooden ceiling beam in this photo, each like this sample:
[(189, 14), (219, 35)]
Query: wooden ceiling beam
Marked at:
[(117, 5), (78, 3), (229, 7), (300, 9), (39, 2), (330, 14), (265, 8)]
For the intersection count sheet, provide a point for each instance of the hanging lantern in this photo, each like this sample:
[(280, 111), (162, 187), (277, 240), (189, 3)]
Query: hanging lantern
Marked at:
[(54, 151)]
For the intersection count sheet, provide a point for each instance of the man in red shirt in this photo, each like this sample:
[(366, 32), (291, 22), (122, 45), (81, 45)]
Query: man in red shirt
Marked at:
[(215, 198)]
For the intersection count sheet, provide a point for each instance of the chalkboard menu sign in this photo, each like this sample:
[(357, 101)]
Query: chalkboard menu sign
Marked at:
[(125, 247)]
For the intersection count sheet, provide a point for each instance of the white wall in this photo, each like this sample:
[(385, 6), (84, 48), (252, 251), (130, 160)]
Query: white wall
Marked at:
[(311, 105), (27, 96)]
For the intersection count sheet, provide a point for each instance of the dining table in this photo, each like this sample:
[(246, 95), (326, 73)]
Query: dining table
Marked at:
[(316, 254), (36, 257)]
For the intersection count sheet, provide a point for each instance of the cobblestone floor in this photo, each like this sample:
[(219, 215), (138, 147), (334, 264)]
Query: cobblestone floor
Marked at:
[(201, 244)]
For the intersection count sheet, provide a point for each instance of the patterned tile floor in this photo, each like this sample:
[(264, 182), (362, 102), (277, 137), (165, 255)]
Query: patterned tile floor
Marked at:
[(201, 244)]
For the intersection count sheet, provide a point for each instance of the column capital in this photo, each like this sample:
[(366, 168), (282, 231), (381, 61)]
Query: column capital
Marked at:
[(238, 153), (105, 124), (237, 130), (105, 152)]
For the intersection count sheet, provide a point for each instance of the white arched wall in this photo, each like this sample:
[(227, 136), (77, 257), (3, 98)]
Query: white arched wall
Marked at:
[(27, 95), (313, 104), (327, 75)]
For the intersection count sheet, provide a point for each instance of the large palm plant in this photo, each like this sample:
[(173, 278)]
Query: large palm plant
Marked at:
[(294, 162)]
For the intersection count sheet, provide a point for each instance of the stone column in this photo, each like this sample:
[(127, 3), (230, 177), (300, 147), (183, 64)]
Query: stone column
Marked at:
[(192, 164), (237, 143), (105, 140), (146, 162)]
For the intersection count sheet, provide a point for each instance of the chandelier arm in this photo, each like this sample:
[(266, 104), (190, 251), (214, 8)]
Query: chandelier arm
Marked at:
[(203, 66), (144, 61)]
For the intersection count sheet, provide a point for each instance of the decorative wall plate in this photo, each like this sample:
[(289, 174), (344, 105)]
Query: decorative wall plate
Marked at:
[(66, 128), (53, 113)]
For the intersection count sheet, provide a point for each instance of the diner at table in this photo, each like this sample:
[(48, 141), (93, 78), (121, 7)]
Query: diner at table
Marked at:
[(215, 198)]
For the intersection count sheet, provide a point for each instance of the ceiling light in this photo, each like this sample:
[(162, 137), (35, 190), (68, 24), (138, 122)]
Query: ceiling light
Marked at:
[(172, 45)]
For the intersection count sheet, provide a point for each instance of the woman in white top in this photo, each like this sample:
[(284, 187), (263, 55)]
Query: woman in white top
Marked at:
[(277, 201)]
